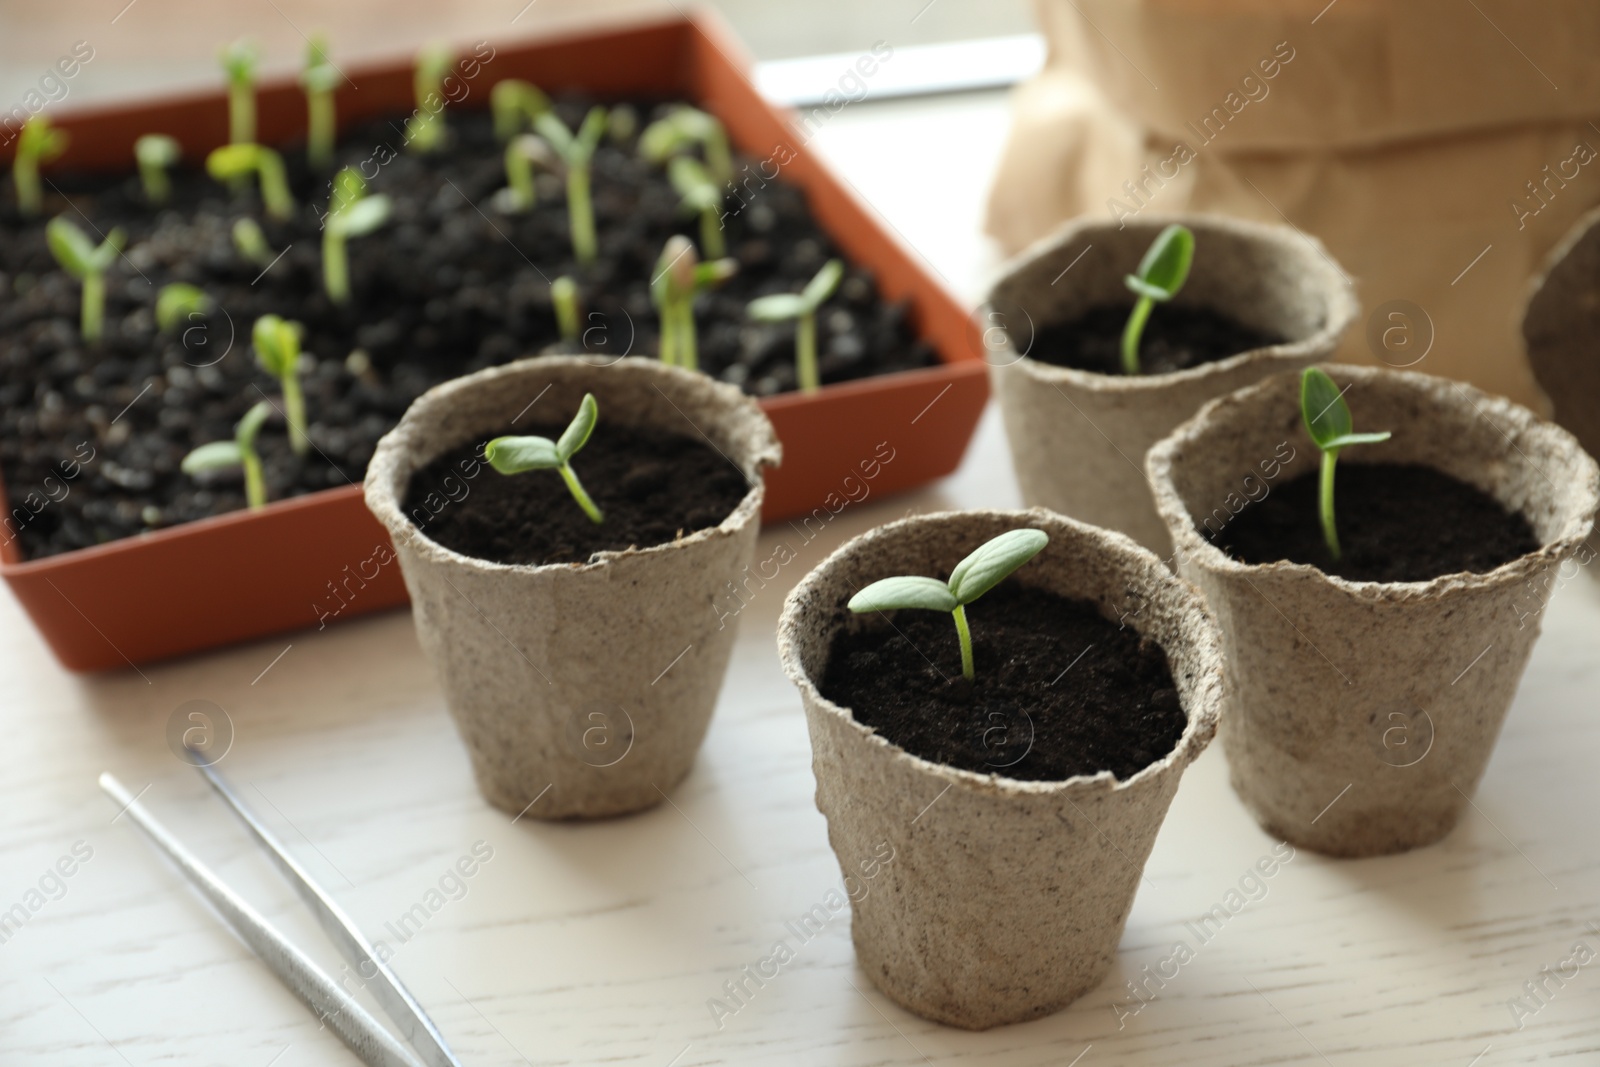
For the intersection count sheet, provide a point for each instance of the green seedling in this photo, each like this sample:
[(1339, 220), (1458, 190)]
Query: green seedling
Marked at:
[(564, 298), (1327, 419), (522, 153), (239, 61), (680, 131), (701, 196), (679, 278), (985, 568), (516, 105), (39, 142), (155, 152), (513, 455), (251, 243), (622, 122), (802, 307), (235, 163), (239, 452), (577, 151), (178, 303), (88, 263), (277, 345), (425, 129), (1162, 272), (319, 79), (351, 213)]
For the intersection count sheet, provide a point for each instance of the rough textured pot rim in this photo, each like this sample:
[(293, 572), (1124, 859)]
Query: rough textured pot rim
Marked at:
[(1197, 733), (1343, 307), (1160, 459), (392, 457)]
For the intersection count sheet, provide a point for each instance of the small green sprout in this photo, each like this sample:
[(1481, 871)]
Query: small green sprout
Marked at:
[(564, 298), (277, 345), (351, 213), (985, 568), (684, 128), (179, 302), (38, 143), (523, 151), (155, 152), (251, 243), (513, 455), (235, 162), (1327, 419), (239, 452), (621, 124), (576, 151), (88, 263), (425, 129), (701, 196), (319, 79), (516, 104), (1162, 272), (239, 61), (679, 278), (802, 307)]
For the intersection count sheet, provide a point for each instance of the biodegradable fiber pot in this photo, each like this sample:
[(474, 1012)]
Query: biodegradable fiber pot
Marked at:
[(1559, 327), (593, 681), (1362, 713), (1005, 899), (1077, 437)]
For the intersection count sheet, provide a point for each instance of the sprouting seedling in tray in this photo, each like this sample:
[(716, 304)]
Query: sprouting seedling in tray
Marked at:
[(985, 568), (277, 345), (576, 152), (155, 152), (239, 452), (680, 131), (180, 302), (701, 196), (564, 299), (319, 79), (1162, 272), (39, 142), (234, 163), (351, 213), (251, 243), (522, 152), (513, 455), (679, 278), (1327, 419), (425, 129), (239, 61), (87, 262), (801, 307), (516, 105)]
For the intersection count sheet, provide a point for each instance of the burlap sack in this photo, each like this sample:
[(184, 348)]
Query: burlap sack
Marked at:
[(1362, 714), (579, 689), (1439, 149), (1004, 900)]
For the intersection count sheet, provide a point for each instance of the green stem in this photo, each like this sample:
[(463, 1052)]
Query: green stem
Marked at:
[(965, 635), (94, 306), (581, 214), (294, 413), (594, 513), (335, 264), (275, 186), (711, 241), (1330, 533), (320, 127), (669, 333), (156, 186), (1132, 332), (805, 353), (25, 172), (255, 485), (519, 177), (719, 160), (241, 113), (688, 346)]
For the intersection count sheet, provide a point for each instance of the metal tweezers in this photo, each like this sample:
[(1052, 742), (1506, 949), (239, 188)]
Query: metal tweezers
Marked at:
[(315, 987)]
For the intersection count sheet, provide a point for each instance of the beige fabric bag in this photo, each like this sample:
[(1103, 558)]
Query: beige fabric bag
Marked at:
[(1438, 148)]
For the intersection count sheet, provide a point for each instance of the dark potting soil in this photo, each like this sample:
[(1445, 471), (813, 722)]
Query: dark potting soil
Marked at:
[(653, 487), (1396, 523), (91, 436), (1060, 691), (1176, 337)]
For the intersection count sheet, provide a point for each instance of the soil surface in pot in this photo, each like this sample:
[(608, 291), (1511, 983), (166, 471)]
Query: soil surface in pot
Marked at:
[(1176, 337), (1060, 691), (652, 486), (91, 436), (1397, 523)]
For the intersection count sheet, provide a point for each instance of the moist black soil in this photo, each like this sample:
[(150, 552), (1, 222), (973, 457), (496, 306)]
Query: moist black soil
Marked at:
[(1396, 522), (1176, 337), (1060, 691), (653, 488), (91, 437)]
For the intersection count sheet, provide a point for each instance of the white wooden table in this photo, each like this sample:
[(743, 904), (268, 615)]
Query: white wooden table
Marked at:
[(602, 943)]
